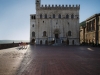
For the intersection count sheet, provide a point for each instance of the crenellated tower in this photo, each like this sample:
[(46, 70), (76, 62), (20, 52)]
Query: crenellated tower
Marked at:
[(38, 3)]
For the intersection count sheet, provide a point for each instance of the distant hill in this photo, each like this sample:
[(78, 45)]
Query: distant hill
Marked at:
[(11, 41), (83, 23)]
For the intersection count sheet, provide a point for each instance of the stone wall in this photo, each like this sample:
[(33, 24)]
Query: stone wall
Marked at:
[(4, 46)]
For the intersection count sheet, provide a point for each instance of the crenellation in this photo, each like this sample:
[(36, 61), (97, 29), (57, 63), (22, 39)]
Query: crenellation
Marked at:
[(52, 5), (60, 6), (49, 5), (66, 5), (77, 5), (56, 5), (69, 5), (45, 5), (42, 5), (72, 5)]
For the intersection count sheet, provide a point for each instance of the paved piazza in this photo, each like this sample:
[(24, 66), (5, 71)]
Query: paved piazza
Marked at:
[(50, 60)]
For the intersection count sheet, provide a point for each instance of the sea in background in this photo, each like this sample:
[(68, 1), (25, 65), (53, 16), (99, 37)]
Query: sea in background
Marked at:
[(12, 41)]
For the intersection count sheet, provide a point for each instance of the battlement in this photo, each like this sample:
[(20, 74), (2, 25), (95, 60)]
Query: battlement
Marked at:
[(59, 6)]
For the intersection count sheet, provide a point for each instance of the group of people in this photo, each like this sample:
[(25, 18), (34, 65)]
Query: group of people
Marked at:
[(23, 45)]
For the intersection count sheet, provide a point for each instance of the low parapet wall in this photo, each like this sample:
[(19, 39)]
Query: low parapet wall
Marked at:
[(9, 45)]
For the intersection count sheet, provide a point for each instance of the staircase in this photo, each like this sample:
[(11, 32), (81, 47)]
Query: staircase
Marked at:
[(57, 42)]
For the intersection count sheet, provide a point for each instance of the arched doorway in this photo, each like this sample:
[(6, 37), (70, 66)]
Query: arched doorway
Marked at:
[(56, 33), (46, 42), (56, 36), (41, 42), (73, 42), (67, 42), (33, 41)]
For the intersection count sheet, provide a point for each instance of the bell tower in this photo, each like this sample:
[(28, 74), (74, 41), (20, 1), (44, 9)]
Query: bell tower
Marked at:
[(38, 2)]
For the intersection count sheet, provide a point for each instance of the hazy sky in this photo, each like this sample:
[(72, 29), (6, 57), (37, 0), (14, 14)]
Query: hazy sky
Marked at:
[(15, 15)]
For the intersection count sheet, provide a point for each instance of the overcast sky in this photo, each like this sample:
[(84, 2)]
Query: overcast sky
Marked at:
[(15, 15)]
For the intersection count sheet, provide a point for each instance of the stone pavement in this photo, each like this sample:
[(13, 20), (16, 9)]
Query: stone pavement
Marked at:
[(50, 60)]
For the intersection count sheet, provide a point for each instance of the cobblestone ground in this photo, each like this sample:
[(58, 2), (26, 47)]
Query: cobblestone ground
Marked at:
[(50, 60)]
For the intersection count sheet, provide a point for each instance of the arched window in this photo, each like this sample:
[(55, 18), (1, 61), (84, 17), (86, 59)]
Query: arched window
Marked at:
[(72, 16), (40, 15), (45, 15), (44, 33), (69, 33), (59, 15), (67, 16), (53, 15), (33, 34)]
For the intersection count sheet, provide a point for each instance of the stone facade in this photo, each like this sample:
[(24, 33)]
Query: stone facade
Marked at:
[(92, 30), (82, 32), (55, 24)]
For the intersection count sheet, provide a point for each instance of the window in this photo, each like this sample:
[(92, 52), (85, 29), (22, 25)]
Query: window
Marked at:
[(59, 15), (44, 33), (45, 15), (33, 34), (87, 26), (93, 25), (67, 16), (69, 33), (53, 15), (40, 15), (34, 17), (31, 17), (33, 25), (72, 16), (90, 26), (37, 1)]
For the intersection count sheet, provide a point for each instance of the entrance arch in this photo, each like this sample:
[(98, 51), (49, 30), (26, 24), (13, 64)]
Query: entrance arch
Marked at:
[(56, 33), (46, 42), (67, 42), (73, 42), (33, 41), (56, 36), (40, 42)]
